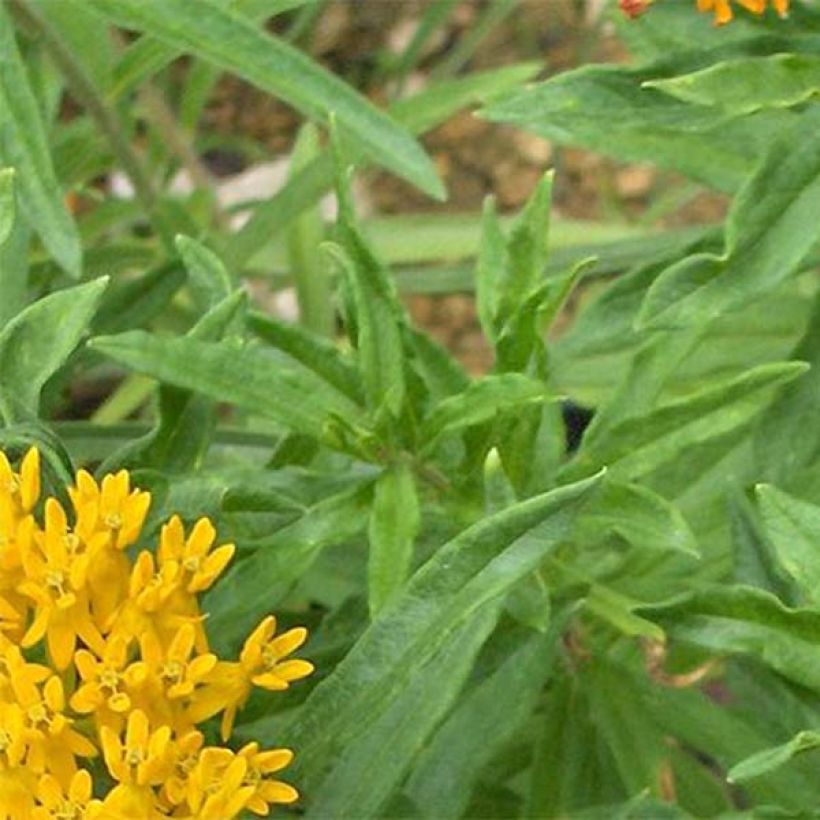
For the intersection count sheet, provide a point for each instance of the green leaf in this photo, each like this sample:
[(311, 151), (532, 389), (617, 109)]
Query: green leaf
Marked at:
[(146, 56), (314, 292), (437, 102), (567, 759), (466, 574), (747, 621), (481, 401), (36, 342), (419, 113), (85, 34), (639, 516), (634, 738), (522, 336), (24, 145), (209, 280), (246, 376), (770, 230), (638, 446), (794, 529), (256, 584), (357, 788), (8, 205), (130, 302), (394, 523), (377, 329), (14, 244), (724, 736), (492, 258), (771, 759), (320, 355), (186, 420), (234, 44), (755, 562), (748, 84), (487, 717), (605, 108), (528, 248), (790, 418)]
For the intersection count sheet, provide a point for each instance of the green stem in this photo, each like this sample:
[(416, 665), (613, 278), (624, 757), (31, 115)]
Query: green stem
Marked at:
[(84, 91)]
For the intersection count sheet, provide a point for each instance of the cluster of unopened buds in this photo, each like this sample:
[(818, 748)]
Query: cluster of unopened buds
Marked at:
[(105, 665), (722, 9)]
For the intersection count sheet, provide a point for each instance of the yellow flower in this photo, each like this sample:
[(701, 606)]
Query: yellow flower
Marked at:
[(144, 760), (200, 566), (17, 781), (186, 756), (18, 495), (111, 509), (22, 488), (171, 678), (109, 519), (75, 802), (723, 9), (146, 609), (261, 663), (105, 683), (266, 791), (215, 786), (55, 579), (16, 672), (53, 742)]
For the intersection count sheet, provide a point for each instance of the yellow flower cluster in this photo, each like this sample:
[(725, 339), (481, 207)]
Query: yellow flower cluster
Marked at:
[(100, 655)]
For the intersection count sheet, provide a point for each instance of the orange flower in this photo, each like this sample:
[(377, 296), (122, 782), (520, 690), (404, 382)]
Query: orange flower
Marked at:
[(723, 9)]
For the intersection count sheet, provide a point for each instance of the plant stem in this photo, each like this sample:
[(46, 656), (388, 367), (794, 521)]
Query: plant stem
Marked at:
[(82, 88)]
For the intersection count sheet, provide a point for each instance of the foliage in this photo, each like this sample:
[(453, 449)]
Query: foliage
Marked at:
[(502, 624)]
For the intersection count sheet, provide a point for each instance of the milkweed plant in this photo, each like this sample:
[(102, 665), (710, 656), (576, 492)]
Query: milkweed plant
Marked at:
[(577, 580)]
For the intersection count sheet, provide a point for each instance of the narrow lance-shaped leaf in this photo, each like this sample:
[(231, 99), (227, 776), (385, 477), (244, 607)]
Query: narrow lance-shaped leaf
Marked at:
[(14, 243), (256, 584), (146, 56), (747, 621), (355, 787), (528, 247), (234, 44), (770, 760), (378, 336), (638, 446), (186, 420), (747, 84), (246, 376), (8, 207), (418, 113), (481, 401), (639, 516), (604, 108), (790, 418), (492, 258), (477, 567), (755, 561), (208, 277), (38, 341), (316, 353), (481, 724), (771, 228), (793, 525), (25, 146), (394, 522)]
